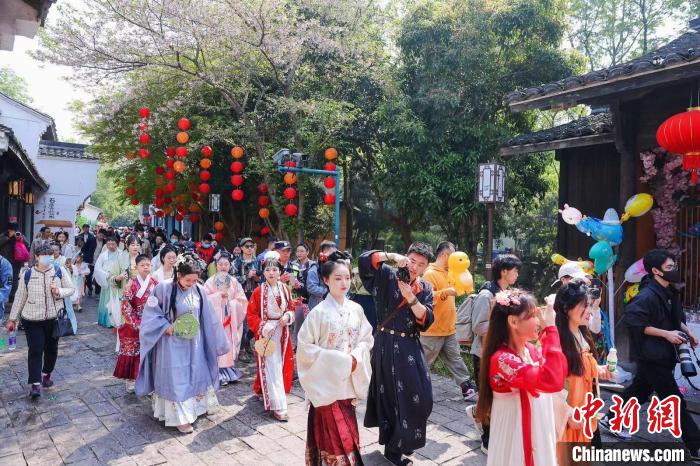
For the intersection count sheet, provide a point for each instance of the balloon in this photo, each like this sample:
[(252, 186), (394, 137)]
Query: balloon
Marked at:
[(638, 205), (182, 137), (603, 256), (237, 152), (183, 123), (458, 274), (330, 153), (219, 226), (570, 215), (635, 272), (290, 210), (601, 230), (206, 151)]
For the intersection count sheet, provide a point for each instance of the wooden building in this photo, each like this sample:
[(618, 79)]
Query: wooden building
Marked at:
[(599, 155)]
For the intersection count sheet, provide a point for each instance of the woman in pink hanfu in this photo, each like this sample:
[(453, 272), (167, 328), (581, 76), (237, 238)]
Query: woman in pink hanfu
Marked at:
[(229, 301)]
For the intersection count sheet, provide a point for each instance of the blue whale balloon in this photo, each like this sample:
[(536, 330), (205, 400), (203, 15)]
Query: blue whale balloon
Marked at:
[(601, 230)]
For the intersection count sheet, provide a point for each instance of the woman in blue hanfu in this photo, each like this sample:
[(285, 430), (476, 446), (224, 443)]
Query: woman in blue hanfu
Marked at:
[(181, 338)]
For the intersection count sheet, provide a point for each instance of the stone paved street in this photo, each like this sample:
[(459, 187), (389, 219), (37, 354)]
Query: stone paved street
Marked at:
[(87, 418)]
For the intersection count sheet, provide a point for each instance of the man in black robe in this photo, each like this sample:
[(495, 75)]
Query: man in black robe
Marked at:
[(400, 397)]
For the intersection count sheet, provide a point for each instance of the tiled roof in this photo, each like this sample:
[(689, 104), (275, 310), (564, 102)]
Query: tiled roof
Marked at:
[(24, 158), (598, 123), (65, 149), (685, 49)]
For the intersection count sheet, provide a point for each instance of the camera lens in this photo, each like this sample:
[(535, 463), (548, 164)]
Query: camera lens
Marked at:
[(687, 367)]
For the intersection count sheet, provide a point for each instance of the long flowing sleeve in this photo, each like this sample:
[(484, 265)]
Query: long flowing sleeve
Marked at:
[(238, 302), (213, 325), (101, 275), (253, 313), (362, 374), (153, 327), (509, 371), (129, 314)]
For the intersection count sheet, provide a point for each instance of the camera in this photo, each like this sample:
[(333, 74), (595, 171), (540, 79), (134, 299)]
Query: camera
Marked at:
[(403, 275), (595, 293), (18, 234), (683, 350)]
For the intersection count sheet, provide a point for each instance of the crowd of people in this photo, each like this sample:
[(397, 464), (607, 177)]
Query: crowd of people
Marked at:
[(186, 313)]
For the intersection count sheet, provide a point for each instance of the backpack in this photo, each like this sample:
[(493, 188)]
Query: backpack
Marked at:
[(465, 332), (28, 273), (21, 251)]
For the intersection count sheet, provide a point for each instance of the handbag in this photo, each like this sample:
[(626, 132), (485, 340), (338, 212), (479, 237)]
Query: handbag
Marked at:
[(62, 327)]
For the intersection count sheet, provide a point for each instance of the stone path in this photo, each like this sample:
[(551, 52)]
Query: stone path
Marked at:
[(87, 418)]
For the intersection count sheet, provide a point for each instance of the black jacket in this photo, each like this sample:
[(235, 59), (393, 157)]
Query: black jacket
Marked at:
[(654, 306), (89, 248)]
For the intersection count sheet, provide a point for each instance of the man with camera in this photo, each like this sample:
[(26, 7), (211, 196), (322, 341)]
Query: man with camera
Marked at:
[(656, 323), (8, 243)]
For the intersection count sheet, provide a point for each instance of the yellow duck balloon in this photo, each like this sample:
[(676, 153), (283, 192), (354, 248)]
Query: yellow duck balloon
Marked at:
[(586, 266), (458, 273)]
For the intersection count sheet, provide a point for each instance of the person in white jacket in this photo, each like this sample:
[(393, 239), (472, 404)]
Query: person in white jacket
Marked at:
[(333, 361)]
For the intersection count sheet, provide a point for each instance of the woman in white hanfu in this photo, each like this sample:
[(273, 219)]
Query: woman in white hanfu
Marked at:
[(333, 361)]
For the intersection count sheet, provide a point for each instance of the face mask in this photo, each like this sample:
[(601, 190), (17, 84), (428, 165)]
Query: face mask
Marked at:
[(672, 276), (173, 240), (206, 245), (46, 260)]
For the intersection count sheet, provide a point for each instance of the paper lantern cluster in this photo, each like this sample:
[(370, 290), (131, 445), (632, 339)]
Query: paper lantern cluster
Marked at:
[(329, 183), (144, 137), (237, 167), (290, 192), (204, 174), (680, 134), (219, 228)]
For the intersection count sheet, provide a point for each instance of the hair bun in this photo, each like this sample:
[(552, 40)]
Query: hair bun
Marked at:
[(336, 256)]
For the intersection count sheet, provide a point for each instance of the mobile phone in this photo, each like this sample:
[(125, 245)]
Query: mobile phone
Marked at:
[(402, 275)]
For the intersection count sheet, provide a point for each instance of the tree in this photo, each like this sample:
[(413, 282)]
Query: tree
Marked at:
[(13, 85), (610, 32), (262, 62)]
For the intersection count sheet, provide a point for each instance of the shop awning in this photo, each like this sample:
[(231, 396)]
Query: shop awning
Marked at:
[(56, 223)]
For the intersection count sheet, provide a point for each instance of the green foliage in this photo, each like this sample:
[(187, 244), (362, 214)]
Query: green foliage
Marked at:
[(109, 198), (14, 85)]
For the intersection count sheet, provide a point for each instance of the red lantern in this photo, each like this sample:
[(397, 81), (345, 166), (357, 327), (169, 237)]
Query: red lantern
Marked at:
[(168, 200), (170, 152), (160, 170), (194, 218), (263, 201), (329, 198), (237, 195), (131, 156), (181, 152), (329, 167), (219, 237), (264, 212), (680, 134), (159, 192), (237, 167), (290, 164), (134, 202), (145, 138), (170, 187), (183, 123), (160, 214), (219, 226), (264, 231), (169, 163), (179, 217), (159, 203), (205, 163), (143, 126), (130, 191), (205, 175), (182, 137), (144, 153), (179, 166), (330, 153), (290, 193), (206, 151), (170, 175), (144, 112), (236, 180), (204, 188), (290, 210), (262, 188), (329, 182)]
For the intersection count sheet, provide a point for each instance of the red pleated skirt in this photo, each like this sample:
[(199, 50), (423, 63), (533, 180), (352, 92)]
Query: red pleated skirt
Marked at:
[(332, 436), (129, 354)]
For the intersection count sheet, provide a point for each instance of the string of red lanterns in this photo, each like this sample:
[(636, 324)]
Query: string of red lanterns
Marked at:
[(237, 167), (329, 183)]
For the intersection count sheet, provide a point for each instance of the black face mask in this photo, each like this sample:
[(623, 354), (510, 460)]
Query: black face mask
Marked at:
[(672, 276)]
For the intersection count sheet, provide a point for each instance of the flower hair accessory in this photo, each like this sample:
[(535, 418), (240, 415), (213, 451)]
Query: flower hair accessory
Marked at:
[(506, 298)]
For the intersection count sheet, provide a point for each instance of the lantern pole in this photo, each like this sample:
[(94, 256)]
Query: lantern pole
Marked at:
[(488, 272), (336, 175)]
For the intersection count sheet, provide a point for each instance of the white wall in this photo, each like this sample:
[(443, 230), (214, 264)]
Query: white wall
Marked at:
[(28, 126)]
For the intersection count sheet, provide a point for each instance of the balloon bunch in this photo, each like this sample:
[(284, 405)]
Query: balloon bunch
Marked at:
[(237, 167), (586, 266)]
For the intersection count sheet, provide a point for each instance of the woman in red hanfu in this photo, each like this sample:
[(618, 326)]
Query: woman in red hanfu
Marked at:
[(270, 312), (133, 301), (517, 382)]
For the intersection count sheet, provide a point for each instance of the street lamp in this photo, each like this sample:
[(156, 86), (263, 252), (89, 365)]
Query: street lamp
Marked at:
[(214, 202), (491, 189)]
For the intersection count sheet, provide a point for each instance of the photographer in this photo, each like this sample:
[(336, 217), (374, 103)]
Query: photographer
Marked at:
[(656, 323), (8, 245)]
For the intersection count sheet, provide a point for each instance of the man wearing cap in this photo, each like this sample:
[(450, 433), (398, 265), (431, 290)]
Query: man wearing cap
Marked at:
[(288, 273), (8, 241), (567, 272)]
